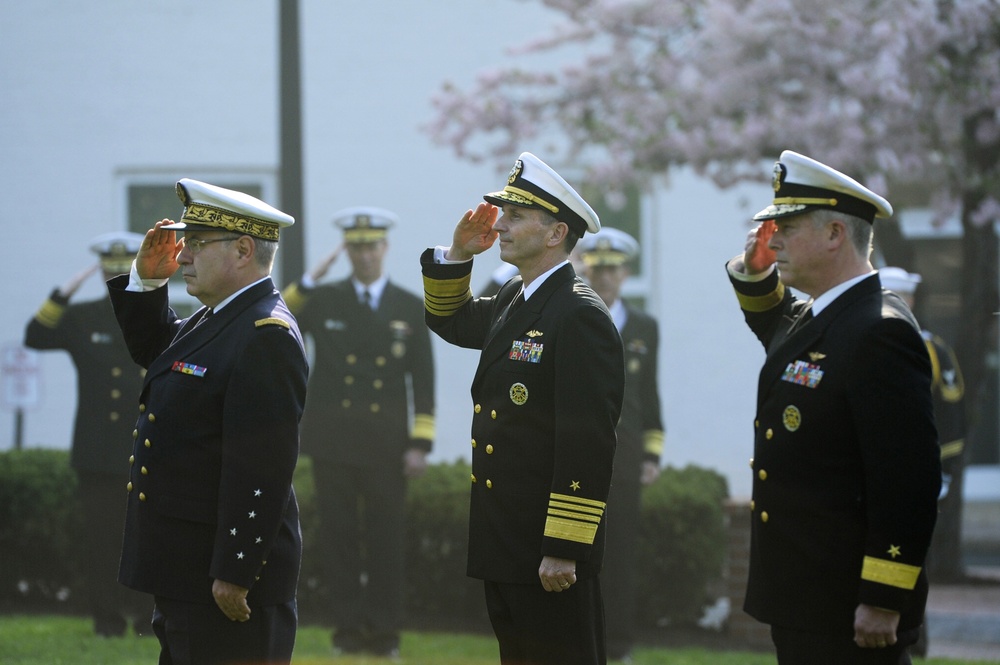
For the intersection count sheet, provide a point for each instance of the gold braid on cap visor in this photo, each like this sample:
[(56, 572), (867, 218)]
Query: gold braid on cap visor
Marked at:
[(216, 217), (792, 200), (532, 198)]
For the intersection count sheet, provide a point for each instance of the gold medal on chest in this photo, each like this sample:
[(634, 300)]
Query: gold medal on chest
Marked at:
[(792, 418), (519, 394)]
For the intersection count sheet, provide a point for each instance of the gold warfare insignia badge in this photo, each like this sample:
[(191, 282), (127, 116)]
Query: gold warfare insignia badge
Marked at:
[(534, 333), (519, 394), (816, 356), (792, 418), (515, 172)]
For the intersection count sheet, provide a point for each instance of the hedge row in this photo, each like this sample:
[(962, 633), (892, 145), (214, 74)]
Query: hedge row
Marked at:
[(681, 548)]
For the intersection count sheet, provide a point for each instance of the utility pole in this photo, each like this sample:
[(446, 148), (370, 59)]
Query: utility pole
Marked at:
[(290, 136)]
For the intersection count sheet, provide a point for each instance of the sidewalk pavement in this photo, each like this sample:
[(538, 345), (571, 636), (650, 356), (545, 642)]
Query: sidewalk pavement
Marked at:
[(963, 621)]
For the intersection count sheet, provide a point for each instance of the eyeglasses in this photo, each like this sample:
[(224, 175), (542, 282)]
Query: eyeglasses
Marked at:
[(197, 244)]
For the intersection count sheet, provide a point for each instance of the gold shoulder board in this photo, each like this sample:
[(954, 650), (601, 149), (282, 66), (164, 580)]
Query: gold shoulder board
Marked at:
[(273, 321)]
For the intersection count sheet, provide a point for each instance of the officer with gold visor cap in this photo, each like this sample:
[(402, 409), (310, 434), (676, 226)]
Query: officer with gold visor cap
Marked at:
[(107, 383), (846, 465), (368, 426)]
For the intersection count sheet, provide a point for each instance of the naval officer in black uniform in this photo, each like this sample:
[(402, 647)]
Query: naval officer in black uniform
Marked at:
[(546, 398), (368, 426), (211, 526), (944, 561), (606, 256), (846, 465), (107, 381)]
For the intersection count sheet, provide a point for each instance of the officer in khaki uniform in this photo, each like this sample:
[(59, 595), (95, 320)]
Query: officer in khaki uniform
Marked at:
[(211, 520), (546, 397), (107, 382), (372, 369), (846, 465), (606, 256), (944, 562)]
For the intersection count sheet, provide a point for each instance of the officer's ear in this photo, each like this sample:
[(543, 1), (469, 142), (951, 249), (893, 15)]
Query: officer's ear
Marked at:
[(245, 247)]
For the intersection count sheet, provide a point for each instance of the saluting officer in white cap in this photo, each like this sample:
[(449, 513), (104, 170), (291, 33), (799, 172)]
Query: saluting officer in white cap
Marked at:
[(107, 382), (607, 257), (546, 398), (216, 439), (846, 467), (372, 368)]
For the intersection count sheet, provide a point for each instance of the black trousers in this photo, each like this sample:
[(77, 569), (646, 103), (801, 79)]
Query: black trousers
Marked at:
[(361, 512), (796, 647), (539, 627), (200, 634), (102, 504)]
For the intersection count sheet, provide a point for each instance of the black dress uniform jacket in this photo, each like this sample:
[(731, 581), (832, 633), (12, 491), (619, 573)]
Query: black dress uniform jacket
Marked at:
[(358, 407), (216, 442), (640, 431), (107, 380), (547, 395), (846, 466)]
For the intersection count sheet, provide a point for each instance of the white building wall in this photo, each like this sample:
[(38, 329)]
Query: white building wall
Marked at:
[(97, 92)]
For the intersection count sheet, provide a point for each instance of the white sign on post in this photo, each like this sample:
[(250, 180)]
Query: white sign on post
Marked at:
[(19, 373)]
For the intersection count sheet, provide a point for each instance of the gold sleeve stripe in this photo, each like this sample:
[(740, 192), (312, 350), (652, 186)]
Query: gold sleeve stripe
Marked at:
[(762, 303), (900, 575), (443, 297), (579, 500), (570, 506), (564, 529), (423, 427), (272, 321), (294, 298), (952, 448), (652, 441), (50, 313), (573, 515)]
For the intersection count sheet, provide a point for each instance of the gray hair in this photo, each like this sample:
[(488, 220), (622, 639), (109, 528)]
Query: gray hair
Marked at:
[(861, 231), (264, 253)]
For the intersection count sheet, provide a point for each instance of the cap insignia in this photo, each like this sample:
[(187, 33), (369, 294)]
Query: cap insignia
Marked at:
[(778, 176), (515, 172), (118, 249), (363, 221), (603, 244)]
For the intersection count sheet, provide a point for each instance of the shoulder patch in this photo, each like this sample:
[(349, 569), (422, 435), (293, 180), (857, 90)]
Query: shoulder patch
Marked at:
[(273, 321)]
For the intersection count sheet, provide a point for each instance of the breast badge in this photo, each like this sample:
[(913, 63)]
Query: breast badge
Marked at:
[(792, 418), (519, 394)]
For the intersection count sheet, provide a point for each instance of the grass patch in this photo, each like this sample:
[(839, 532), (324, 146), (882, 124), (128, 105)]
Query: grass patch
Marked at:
[(68, 640)]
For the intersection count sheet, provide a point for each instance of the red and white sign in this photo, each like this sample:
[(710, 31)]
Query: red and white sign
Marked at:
[(19, 374)]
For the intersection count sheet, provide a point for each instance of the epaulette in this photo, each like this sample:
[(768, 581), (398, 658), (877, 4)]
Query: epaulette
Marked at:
[(273, 320)]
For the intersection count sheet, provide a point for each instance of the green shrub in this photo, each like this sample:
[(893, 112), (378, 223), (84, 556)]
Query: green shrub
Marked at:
[(681, 547), (682, 543), (40, 526)]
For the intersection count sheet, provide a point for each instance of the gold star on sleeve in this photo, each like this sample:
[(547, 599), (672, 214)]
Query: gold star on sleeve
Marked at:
[(893, 551), (575, 485)]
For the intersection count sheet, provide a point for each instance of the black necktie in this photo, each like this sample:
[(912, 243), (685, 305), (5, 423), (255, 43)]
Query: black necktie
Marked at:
[(514, 304), (366, 298)]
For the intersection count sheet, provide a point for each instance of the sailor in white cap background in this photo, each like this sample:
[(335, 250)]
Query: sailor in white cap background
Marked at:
[(546, 398), (944, 561), (211, 525), (368, 426), (846, 465), (107, 383), (606, 256)]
